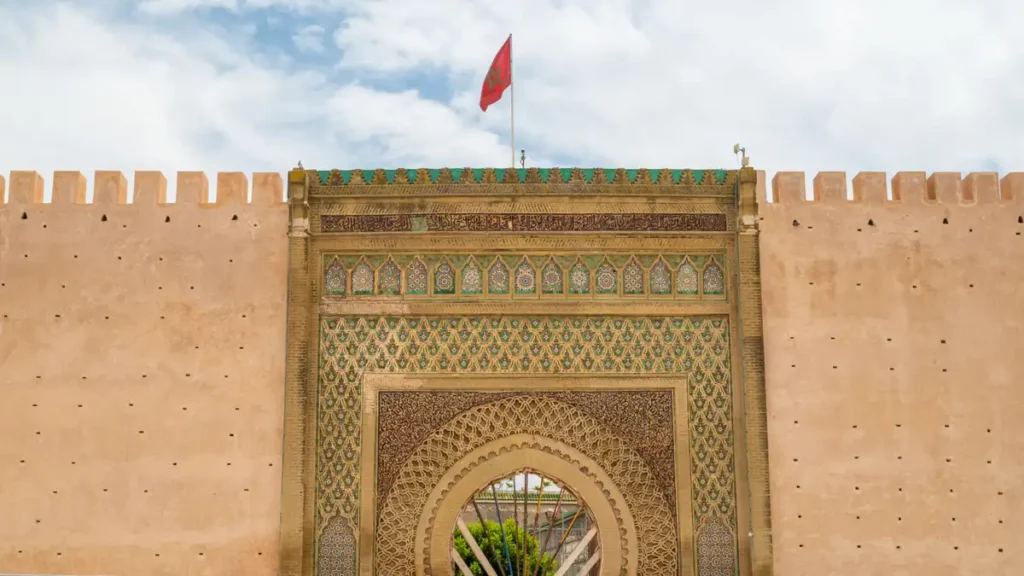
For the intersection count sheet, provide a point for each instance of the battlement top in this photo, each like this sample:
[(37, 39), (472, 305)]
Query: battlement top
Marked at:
[(554, 175)]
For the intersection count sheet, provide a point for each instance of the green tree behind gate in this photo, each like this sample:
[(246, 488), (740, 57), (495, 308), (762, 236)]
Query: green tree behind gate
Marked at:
[(494, 550)]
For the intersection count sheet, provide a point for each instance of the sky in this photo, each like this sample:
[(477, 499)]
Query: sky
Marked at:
[(259, 85)]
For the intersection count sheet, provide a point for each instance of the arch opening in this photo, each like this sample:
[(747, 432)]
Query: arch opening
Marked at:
[(526, 523)]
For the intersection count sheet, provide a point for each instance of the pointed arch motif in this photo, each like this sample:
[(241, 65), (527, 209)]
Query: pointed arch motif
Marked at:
[(335, 279), (362, 279), (661, 278), (606, 279), (579, 278), (714, 279), (416, 278), (389, 279), (633, 278), (472, 277), (526, 278), (497, 278), (444, 278), (552, 279), (686, 279)]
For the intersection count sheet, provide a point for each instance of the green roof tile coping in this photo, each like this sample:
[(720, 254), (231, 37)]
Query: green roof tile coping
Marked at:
[(717, 177)]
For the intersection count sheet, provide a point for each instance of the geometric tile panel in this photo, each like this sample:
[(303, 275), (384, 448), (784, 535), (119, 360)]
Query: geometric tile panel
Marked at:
[(697, 347)]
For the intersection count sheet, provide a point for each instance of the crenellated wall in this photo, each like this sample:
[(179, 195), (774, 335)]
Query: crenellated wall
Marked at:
[(894, 332), (141, 373), (142, 353)]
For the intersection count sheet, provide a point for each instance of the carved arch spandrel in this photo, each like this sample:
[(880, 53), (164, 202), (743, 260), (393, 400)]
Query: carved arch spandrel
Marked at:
[(657, 549)]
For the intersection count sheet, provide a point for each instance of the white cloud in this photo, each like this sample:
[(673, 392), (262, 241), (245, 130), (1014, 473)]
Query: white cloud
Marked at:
[(804, 85), (309, 39), (177, 6)]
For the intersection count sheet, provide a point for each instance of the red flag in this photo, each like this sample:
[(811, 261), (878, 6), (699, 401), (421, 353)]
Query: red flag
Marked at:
[(499, 76)]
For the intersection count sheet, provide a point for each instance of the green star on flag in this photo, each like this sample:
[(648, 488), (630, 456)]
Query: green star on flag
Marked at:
[(499, 77)]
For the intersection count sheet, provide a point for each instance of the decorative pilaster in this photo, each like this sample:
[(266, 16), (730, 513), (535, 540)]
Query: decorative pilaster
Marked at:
[(296, 496), (752, 342)]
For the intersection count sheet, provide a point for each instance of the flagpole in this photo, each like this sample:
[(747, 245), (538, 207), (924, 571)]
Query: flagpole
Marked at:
[(512, 102)]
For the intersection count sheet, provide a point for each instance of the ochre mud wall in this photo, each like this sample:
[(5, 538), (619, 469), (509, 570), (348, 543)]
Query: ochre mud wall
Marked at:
[(141, 373), (894, 347)]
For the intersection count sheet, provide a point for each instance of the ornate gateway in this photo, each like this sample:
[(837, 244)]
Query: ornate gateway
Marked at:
[(599, 328)]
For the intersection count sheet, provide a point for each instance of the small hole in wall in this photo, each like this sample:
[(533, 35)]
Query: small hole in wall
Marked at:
[(795, 223), (945, 221), (24, 216), (810, 227), (871, 222), (1020, 219), (858, 229), (104, 218), (970, 229), (234, 216), (167, 219)]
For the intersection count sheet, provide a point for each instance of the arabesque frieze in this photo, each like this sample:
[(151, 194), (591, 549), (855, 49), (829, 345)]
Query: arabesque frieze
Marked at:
[(508, 276)]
